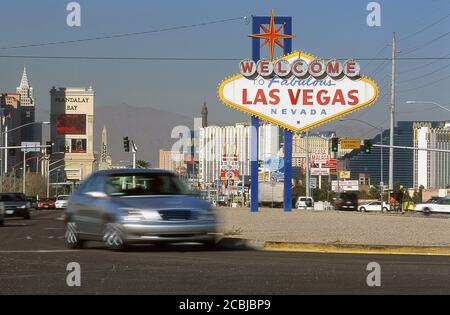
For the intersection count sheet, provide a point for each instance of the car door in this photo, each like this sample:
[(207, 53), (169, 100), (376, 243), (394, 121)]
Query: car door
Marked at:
[(375, 206), (87, 207)]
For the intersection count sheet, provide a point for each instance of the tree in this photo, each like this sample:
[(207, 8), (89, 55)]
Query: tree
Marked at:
[(142, 164)]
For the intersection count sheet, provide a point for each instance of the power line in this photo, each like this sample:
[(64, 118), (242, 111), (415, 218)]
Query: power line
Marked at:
[(422, 66), (173, 28), (426, 75), (425, 28), (193, 58), (413, 49), (426, 85)]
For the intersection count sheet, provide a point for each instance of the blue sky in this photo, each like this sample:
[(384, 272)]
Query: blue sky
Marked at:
[(323, 28)]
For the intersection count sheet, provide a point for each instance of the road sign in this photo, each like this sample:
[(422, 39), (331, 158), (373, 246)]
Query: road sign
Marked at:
[(313, 183), (31, 146), (315, 171), (344, 174), (350, 143)]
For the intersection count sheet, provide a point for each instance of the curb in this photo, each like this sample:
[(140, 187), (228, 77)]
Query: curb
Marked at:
[(357, 249)]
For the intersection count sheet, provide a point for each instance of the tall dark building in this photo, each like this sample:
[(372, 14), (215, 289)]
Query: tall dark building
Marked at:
[(204, 115), (359, 162)]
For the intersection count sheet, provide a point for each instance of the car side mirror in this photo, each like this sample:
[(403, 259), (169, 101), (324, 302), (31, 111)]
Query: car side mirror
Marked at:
[(97, 194)]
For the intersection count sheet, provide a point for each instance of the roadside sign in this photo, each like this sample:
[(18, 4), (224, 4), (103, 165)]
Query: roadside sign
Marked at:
[(345, 185), (350, 143), (344, 174), (313, 183), (31, 146), (316, 171)]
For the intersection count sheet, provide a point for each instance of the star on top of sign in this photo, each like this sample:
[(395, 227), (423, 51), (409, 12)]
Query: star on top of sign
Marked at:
[(271, 35)]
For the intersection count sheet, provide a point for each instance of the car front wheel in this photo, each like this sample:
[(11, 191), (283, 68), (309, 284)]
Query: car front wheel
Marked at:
[(26, 216), (113, 237)]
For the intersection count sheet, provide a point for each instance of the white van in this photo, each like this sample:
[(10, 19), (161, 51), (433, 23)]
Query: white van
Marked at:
[(305, 203)]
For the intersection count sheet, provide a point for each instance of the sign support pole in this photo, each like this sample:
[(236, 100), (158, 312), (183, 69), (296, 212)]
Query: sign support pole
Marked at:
[(256, 55), (254, 202)]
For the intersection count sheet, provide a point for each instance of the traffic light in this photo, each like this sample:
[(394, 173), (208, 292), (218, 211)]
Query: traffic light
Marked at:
[(48, 150), (334, 144), (367, 146), (126, 144)]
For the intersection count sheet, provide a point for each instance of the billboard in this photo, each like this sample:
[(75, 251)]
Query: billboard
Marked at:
[(78, 146), (298, 91), (72, 124)]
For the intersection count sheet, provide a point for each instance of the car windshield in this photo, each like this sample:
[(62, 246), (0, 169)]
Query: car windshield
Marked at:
[(12, 197), (145, 184), (63, 197)]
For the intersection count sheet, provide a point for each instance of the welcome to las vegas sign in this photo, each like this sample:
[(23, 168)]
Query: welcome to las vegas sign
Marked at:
[(298, 91)]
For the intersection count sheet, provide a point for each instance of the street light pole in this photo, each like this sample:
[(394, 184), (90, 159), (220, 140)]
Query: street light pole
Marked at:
[(392, 123), (428, 102)]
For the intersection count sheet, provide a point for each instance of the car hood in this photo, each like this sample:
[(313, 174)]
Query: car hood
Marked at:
[(14, 203), (161, 202)]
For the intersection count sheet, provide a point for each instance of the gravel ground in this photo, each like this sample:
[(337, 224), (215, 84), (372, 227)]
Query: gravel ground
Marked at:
[(339, 227)]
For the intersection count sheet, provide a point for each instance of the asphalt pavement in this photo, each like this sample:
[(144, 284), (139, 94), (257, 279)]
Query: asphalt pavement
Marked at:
[(33, 260)]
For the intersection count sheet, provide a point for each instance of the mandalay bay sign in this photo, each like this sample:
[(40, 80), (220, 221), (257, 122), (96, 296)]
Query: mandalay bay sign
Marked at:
[(298, 91)]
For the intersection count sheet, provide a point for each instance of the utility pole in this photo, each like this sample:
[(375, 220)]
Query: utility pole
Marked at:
[(392, 124)]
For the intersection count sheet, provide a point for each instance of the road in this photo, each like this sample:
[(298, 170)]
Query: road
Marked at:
[(33, 260)]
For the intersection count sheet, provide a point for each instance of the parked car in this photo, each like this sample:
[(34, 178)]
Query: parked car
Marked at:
[(33, 202), (15, 205), (130, 206), (373, 206), (442, 205), (61, 201), (46, 203), (304, 202), (347, 201)]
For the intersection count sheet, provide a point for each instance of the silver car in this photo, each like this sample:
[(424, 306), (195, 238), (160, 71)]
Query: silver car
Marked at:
[(131, 206)]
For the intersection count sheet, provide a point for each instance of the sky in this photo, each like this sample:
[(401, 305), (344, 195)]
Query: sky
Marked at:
[(324, 28)]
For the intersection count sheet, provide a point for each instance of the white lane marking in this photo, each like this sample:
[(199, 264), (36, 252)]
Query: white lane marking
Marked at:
[(38, 251)]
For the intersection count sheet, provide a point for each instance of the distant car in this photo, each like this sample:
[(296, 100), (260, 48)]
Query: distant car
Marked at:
[(130, 206), (61, 201), (33, 202), (373, 206), (441, 206), (15, 205), (46, 203), (305, 203), (347, 201)]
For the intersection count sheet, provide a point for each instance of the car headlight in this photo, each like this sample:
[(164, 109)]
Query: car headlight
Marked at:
[(131, 214), (24, 206)]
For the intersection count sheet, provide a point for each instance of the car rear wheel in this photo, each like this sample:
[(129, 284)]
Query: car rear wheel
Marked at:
[(71, 236), (362, 209), (2, 223), (113, 237), (426, 211)]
